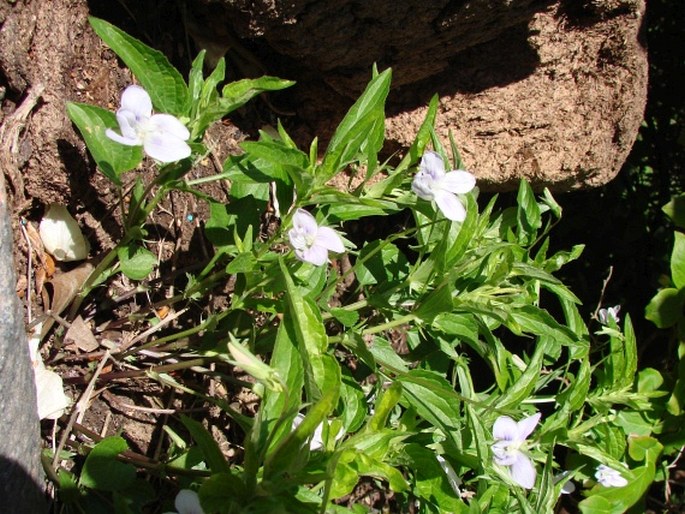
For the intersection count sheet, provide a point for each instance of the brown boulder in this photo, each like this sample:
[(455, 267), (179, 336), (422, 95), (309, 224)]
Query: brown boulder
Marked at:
[(550, 91)]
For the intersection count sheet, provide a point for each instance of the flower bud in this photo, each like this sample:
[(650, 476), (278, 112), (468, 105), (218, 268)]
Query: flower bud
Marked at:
[(61, 235)]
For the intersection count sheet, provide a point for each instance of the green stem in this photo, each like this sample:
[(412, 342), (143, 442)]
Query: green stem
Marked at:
[(351, 307), (402, 320), (203, 180)]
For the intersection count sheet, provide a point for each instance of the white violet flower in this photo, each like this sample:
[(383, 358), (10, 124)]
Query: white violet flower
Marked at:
[(162, 136), (507, 451), (312, 242), (607, 315), (432, 182), (61, 236), (187, 502), (609, 477)]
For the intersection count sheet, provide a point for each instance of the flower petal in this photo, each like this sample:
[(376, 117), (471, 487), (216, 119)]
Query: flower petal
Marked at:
[(51, 399), (523, 472), (458, 181), (422, 185), (450, 205), (526, 426), (129, 123), (303, 220), (609, 477), (329, 239), (316, 255), (505, 429), (135, 99), (128, 141), (501, 455), (166, 147), (432, 163), (170, 124), (188, 502)]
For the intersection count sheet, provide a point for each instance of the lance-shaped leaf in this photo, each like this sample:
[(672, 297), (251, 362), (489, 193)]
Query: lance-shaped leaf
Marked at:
[(158, 77)]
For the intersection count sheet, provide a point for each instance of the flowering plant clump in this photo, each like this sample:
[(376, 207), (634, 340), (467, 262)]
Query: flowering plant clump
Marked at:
[(413, 353), (162, 136)]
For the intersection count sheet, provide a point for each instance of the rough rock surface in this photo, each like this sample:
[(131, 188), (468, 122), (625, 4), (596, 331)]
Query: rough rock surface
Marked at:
[(550, 91), (21, 475)]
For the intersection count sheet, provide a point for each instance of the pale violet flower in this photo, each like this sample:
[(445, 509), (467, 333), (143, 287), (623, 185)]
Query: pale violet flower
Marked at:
[(507, 451), (609, 477), (61, 236), (610, 314), (316, 442), (312, 242), (187, 502), (162, 136), (432, 182)]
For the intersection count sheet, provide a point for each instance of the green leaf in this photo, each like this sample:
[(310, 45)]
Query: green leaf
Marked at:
[(287, 361), (423, 136), (310, 335), (630, 351), (537, 321), (433, 398), (237, 94), (666, 307), (284, 457), (528, 214), (112, 158), (363, 118), (385, 403), (103, 471), (163, 82), (526, 383), (675, 209), (196, 78), (576, 394), (243, 263), (381, 263), (223, 492), (678, 260), (462, 325), (435, 303), (214, 459), (430, 482), (347, 318), (136, 262)]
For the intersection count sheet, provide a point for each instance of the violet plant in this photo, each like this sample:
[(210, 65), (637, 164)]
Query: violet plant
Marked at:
[(488, 334)]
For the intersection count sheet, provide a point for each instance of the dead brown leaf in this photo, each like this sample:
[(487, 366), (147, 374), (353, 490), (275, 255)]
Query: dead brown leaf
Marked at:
[(81, 335), (61, 290)]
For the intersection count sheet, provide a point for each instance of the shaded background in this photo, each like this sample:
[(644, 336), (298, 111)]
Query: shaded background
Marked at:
[(622, 224)]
